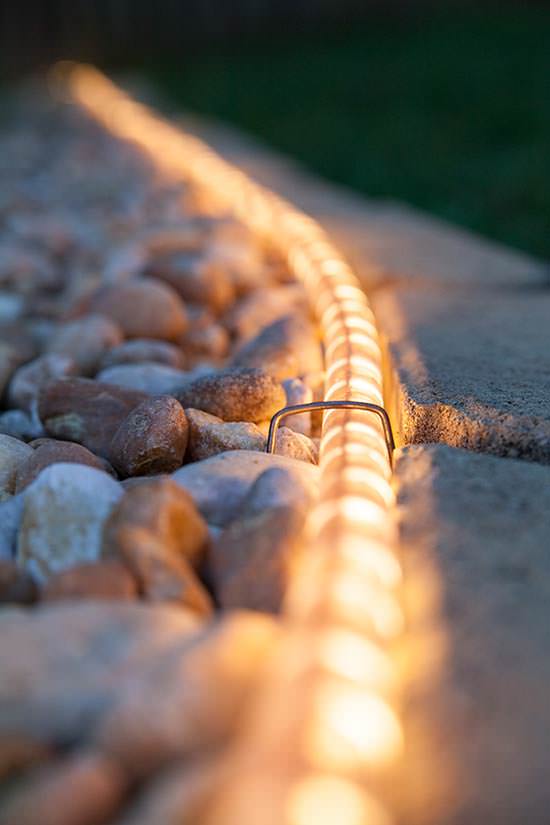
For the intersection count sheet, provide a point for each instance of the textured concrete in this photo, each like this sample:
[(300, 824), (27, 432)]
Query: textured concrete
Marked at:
[(472, 368), (476, 551)]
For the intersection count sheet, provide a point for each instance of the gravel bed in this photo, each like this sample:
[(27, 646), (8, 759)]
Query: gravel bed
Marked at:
[(146, 538)]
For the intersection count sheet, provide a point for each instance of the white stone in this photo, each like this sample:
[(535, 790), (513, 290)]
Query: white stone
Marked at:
[(63, 516)]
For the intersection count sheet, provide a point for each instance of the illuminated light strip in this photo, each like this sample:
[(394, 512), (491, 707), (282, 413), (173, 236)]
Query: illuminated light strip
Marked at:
[(344, 603)]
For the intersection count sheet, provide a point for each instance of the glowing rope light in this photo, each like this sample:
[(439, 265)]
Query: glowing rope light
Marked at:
[(344, 599)]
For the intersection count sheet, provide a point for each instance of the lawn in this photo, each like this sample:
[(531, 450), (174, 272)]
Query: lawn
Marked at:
[(450, 113)]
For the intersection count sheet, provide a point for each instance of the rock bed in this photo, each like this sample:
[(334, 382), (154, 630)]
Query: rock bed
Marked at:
[(145, 342)]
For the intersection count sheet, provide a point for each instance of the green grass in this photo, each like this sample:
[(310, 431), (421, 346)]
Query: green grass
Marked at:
[(451, 114)]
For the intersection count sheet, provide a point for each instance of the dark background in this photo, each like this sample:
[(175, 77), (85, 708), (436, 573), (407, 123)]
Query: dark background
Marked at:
[(445, 105)]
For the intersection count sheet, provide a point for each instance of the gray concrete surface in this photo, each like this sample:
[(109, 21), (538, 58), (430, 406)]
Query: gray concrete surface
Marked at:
[(475, 536), (471, 367)]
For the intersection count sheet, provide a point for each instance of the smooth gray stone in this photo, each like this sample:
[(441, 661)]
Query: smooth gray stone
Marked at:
[(219, 484)]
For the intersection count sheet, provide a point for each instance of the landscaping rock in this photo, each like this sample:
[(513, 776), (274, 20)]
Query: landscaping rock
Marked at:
[(296, 445), (197, 278), (250, 563), (218, 485), (152, 438), (163, 510), (49, 451), (85, 411), (11, 512), (152, 378), (86, 341), (209, 435), (80, 789), (143, 308), (21, 425), (13, 453), (106, 579), (63, 686), (205, 340), (63, 515), (16, 586), (144, 350), (10, 360), (237, 394), (178, 795), (287, 348), (192, 714), (261, 308), (298, 392), (29, 379), (157, 532)]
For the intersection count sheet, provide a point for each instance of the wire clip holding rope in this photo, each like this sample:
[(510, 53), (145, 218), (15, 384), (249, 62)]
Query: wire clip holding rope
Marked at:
[(332, 405)]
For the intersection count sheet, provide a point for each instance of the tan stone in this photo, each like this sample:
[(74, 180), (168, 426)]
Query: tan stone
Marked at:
[(143, 308), (152, 439), (50, 451), (209, 435), (108, 579), (82, 789), (85, 411), (157, 531)]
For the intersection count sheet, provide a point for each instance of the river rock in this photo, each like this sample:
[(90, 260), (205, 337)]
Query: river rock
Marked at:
[(242, 260), (86, 340), (11, 306), (10, 360), (296, 445), (63, 515), (152, 378), (152, 438), (85, 411), (235, 394), (219, 484), (192, 712), (65, 683), (204, 340), (13, 453), (11, 513), (178, 795), (29, 379), (249, 565), (209, 435), (197, 278), (298, 392), (20, 424), (143, 308), (105, 579), (287, 348), (79, 789), (262, 307), (49, 451), (156, 530), (16, 585), (144, 350)]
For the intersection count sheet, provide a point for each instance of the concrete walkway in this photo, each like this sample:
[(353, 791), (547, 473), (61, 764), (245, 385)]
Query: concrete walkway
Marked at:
[(467, 326)]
